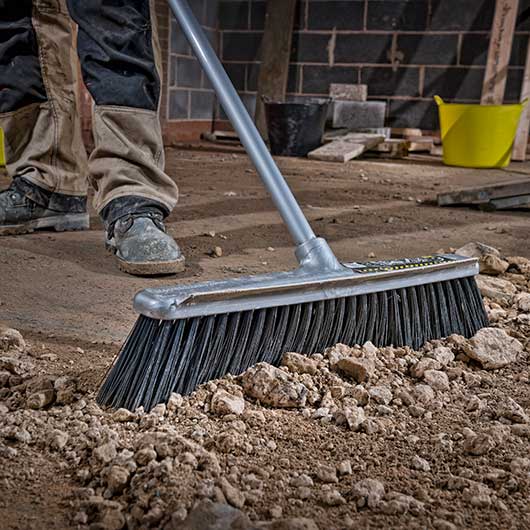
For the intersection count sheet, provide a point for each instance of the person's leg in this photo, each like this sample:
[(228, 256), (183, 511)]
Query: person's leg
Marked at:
[(120, 61), (38, 113)]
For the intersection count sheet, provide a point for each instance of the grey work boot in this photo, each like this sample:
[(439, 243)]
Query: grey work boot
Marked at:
[(142, 246), (21, 215)]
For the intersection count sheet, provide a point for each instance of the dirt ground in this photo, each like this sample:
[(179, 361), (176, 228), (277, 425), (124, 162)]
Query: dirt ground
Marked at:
[(73, 307)]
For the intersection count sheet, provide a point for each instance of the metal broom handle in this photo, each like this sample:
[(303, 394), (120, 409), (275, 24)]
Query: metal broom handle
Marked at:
[(273, 180)]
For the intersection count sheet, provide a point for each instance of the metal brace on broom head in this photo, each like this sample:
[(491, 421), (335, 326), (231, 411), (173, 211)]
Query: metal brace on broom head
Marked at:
[(189, 334)]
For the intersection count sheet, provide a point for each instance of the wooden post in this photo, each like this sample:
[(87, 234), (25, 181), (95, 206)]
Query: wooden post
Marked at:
[(276, 53), (521, 138), (499, 52)]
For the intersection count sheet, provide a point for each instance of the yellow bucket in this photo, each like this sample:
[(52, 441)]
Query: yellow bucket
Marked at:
[(478, 135)]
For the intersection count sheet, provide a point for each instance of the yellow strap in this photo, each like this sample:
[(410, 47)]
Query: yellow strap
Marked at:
[(2, 149)]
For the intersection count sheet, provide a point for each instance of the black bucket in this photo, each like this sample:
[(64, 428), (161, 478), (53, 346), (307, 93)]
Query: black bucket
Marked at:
[(295, 129)]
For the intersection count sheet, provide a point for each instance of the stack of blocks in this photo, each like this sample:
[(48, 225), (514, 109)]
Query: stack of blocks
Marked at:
[(351, 109)]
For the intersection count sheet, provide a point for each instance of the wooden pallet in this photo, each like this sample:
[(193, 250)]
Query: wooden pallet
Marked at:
[(513, 194)]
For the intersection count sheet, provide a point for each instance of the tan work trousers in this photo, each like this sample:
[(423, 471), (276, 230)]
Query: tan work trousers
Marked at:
[(44, 141)]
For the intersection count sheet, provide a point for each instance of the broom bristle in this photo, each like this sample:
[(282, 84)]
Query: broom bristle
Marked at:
[(161, 357)]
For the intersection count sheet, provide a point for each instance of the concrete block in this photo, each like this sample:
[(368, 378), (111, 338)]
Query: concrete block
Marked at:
[(359, 114), (343, 92)]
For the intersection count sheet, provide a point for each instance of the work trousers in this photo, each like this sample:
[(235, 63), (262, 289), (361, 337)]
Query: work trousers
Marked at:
[(120, 59)]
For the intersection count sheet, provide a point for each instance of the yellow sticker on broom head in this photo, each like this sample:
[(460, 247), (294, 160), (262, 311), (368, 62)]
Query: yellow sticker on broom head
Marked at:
[(2, 149)]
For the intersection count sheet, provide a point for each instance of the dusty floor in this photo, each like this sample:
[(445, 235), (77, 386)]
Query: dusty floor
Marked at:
[(65, 294)]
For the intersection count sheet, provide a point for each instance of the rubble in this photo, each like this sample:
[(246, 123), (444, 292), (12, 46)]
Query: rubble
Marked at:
[(489, 258), (273, 387), (493, 348), (350, 437)]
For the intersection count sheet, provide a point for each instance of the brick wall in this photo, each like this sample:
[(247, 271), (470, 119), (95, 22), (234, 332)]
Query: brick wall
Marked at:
[(405, 51)]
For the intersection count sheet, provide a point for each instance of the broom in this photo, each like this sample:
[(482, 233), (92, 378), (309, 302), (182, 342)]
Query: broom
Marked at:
[(187, 335)]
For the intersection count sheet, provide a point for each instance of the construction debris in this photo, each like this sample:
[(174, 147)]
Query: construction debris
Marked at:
[(349, 437), (344, 92), (358, 114), (346, 147), (513, 194)]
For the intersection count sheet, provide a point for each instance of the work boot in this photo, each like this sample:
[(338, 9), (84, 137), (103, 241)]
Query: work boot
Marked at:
[(24, 208), (142, 246)]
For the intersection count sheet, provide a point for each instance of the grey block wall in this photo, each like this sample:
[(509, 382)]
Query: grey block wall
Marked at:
[(190, 96), (405, 51)]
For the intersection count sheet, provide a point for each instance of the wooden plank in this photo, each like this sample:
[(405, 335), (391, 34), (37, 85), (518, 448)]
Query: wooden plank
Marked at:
[(337, 151), (391, 144), (499, 51), (344, 150), (275, 53), (521, 138), (390, 148), (485, 194), (221, 136), (518, 201), (422, 144), (406, 132)]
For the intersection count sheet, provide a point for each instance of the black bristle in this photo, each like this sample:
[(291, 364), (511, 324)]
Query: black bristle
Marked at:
[(161, 357)]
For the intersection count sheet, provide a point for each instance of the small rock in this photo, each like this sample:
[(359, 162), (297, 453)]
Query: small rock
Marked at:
[(302, 481), (81, 518), (117, 478), (381, 394), (273, 386), (522, 301), (224, 403), (11, 339), (437, 380), (353, 417), (443, 355), (420, 464), (361, 395), (496, 289), (361, 369), (521, 430), (478, 445), (58, 440), (144, 456), (423, 393), (418, 370), (368, 492), (217, 252), (113, 520), (344, 468), (511, 410), (327, 474), (123, 416), (489, 258), (332, 498), (493, 348), (232, 494), (41, 399), (299, 363), (105, 453), (175, 402), (520, 466)]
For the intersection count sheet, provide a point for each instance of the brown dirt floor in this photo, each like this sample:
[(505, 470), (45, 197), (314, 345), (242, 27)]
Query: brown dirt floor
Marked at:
[(64, 292)]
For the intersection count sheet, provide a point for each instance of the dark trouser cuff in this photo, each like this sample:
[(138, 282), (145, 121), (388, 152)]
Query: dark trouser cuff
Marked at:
[(48, 199), (123, 206)]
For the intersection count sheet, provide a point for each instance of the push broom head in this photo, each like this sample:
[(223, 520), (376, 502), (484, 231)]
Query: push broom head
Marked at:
[(188, 335)]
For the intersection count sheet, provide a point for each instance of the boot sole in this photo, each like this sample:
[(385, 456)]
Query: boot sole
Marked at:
[(59, 223), (158, 268)]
